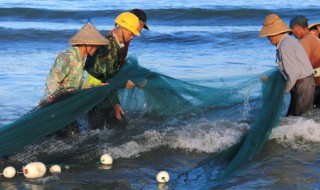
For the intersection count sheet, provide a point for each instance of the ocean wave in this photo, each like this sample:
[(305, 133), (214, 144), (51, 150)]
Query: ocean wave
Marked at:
[(203, 137), (148, 4), (55, 32), (178, 16), (58, 26), (297, 133), (206, 137)]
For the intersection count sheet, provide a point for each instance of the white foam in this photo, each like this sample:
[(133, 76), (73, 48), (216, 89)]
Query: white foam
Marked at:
[(207, 137), (203, 136), (297, 133)]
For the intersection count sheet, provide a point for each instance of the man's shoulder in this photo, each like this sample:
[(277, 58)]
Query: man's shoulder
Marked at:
[(112, 41), (71, 51), (289, 42), (309, 36), (291, 46), (310, 40), (67, 55)]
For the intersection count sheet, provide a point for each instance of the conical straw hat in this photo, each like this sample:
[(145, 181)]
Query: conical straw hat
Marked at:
[(88, 35), (273, 25), (314, 24)]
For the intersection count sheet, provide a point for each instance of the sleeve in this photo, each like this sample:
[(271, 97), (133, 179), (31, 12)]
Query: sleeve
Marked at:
[(288, 68), (86, 85), (57, 74), (96, 65)]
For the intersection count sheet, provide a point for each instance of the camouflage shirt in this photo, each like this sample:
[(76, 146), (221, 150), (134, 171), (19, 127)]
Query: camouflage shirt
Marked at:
[(106, 61), (66, 73)]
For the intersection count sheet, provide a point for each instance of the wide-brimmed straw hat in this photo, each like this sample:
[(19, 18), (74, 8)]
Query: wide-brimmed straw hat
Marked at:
[(317, 24), (273, 25), (88, 35)]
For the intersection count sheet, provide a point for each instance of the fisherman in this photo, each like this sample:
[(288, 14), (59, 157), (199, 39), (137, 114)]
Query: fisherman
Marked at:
[(311, 44), (315, 29), (66, 73), (142, 16), (105, 63), (293, 63), (143, 24)]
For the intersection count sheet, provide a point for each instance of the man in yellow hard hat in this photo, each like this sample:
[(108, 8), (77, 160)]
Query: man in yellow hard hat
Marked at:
[(315, 29), (293, 63), (106, 62), (143, 25), (66, 73)]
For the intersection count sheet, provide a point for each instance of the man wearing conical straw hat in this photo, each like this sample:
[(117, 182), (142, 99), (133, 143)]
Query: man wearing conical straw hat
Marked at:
[(299, 26), (293, 63), (67, 71), (315, 29)]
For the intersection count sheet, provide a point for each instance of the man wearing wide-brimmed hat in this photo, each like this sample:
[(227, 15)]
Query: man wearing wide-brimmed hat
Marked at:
[(299, 26), (315, 29), (293, 63), (67, 71)]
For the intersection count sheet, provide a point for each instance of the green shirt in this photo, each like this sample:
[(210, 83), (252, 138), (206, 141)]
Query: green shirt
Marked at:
[(66, 72), (106, 61)]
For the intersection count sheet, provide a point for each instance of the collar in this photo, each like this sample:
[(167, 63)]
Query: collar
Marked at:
[(77, 51), (283, 37), (121, 45)]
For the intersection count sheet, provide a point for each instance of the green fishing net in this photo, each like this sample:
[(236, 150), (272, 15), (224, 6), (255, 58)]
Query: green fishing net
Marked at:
[(157, 100), (268, 117)]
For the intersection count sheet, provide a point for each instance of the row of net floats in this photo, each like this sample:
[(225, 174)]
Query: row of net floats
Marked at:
[(38, 169)]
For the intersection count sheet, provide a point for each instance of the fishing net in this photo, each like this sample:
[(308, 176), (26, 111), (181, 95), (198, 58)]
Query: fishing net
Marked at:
[(268, 118), (156, 98), (221, 167)]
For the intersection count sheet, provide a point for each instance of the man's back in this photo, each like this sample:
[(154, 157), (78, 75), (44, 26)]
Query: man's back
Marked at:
[(312, 46)]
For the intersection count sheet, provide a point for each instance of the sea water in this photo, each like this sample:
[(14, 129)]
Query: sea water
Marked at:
[(210, 43)]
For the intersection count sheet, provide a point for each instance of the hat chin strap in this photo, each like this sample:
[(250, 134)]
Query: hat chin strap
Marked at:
[(88, 53), (123, 39)]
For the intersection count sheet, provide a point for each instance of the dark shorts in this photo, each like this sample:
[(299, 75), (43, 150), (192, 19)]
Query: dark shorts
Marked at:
[(302, 96), (317, 97), (103, 116)]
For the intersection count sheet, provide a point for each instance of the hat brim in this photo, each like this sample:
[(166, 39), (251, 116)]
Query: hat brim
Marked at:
[(314, 24), (272, 30), (265, 33), (146, 26)]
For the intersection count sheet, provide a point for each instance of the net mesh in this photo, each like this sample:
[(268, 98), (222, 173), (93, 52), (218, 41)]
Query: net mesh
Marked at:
[(156, 99), (229, 162)]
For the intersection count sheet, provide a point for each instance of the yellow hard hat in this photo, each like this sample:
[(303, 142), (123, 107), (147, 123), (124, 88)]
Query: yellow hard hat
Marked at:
[(129, 21)]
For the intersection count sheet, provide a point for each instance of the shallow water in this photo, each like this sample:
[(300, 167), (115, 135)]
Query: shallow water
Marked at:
[(211, 43)]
